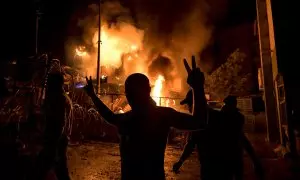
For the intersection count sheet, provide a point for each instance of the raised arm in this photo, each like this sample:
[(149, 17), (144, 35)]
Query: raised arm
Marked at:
[(196, 81), (104, 111), (200, 111)]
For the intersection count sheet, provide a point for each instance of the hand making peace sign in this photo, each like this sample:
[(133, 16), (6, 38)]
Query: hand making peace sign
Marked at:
[(89, 88), (195, 76)]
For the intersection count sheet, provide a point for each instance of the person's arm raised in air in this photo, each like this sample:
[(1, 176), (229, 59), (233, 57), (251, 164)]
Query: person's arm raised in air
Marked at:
[(103, 110), (199, 118)]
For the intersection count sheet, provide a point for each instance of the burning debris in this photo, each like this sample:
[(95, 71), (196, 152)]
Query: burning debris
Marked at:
[(81, 51), (132, 45), (157, 90), (161, 65)]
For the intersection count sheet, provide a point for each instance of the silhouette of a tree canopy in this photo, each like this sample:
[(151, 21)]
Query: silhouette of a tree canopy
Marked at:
[(230, 78)]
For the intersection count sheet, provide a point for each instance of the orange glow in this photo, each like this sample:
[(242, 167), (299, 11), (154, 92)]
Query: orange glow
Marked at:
[(157, 90), (80, 51), (170, 103), (115, 43), (122, 48), (119, 46)]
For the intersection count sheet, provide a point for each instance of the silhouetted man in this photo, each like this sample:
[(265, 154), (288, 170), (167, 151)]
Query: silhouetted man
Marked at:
[(144, 129), (53, 155), (220, 146), (237, 141)]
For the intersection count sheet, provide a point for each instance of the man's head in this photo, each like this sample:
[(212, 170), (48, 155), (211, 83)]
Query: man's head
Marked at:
[(137, 90), (230, 101), (188, 100)]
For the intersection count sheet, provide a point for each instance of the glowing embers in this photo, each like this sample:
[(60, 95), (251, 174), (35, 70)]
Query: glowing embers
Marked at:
[(81, 51)]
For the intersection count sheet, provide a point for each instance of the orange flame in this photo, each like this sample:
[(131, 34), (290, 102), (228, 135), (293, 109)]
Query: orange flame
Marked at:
[(80, 51), (115, 43), (157, 90), (170, 103)]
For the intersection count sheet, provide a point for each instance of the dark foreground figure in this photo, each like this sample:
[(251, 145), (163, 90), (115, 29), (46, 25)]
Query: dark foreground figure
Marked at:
[(237, 141), (8, 149), (226, 131), (192, 139), (53, 155), (144, 129)]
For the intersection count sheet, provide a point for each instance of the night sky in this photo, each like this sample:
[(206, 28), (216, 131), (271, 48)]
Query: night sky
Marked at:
[(18, 20)]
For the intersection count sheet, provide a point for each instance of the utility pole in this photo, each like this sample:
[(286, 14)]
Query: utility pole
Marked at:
[(99, 50), (269, 66)]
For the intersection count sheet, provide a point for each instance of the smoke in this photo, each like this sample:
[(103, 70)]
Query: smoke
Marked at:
[(161, 66), (174, 29), (149, 36), (118, 37)]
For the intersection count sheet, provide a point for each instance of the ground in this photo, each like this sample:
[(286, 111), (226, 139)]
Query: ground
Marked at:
[(97, 160), (102, 161)]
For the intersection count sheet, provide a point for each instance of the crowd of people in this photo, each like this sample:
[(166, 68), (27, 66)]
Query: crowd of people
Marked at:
[(218, 135)]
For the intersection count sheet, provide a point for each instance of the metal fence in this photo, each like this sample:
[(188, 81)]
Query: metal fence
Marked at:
[(113, 101)]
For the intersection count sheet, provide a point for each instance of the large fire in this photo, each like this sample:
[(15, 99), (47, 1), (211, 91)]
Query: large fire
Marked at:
[(122, 48), (114, 47), (115, 43)]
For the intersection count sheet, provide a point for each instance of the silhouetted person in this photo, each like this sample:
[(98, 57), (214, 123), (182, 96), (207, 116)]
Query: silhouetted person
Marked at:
[(237, 141), (220, 146), (53, 154), (193, 139), (144, 129), (8, 149)]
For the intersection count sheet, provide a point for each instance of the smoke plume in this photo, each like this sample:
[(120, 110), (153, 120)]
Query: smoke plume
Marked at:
[(149, 36)]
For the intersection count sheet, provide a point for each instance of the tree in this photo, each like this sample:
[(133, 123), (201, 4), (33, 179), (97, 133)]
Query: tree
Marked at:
[(230, 78)]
